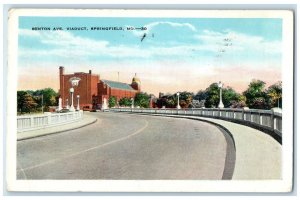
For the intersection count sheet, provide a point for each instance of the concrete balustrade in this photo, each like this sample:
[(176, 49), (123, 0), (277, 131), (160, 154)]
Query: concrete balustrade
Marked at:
[(33, 122), (269, 121)]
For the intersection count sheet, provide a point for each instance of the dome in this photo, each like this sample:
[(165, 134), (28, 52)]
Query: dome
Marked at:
[(136, 79)]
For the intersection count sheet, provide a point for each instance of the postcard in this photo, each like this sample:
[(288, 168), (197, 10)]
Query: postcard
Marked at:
[(150, 100)]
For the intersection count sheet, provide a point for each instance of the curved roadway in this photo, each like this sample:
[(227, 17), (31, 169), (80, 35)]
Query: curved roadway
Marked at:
[(129, 147)]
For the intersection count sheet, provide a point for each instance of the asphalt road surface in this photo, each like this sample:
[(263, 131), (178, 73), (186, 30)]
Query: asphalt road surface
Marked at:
[(123, 146)]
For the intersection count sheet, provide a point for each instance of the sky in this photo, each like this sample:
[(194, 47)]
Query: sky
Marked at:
[(176, 54)]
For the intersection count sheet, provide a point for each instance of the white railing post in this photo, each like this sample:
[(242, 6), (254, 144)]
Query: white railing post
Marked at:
[(49, 118), (260, 119), (31, 121), (34, 122)]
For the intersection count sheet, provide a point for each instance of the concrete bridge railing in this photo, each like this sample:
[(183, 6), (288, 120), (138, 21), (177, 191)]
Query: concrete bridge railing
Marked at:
[(269, 121), (34, 122)]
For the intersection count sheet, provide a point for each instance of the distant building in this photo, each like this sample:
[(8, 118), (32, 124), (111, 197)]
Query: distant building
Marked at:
[(92, 90), (119, 90)]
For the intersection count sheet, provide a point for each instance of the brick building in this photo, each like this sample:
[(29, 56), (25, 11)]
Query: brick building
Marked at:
[(92, 90)]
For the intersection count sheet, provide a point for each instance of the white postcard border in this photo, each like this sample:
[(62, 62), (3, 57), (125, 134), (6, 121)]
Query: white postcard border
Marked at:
[(283, 185)]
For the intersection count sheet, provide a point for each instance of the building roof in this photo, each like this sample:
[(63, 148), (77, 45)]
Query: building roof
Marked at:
[(118, 85)]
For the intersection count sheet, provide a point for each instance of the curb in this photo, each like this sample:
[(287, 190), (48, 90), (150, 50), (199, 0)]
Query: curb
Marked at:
[(250, 163), (55, 132)]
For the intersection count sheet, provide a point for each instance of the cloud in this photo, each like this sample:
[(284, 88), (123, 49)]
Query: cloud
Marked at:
[(238, 42), (62, 40), (66, 45), (207, 44), (29, 33)]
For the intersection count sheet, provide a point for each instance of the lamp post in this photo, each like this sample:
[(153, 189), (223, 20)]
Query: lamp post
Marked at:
[(72, 109), (178, 106), (74, 82), (220, 85), (67, 107), (78, 107)]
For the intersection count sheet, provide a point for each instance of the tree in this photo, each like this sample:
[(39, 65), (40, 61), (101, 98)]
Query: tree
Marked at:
[(25, 102), (125, 102), (256, 95), (142, 99), (112, 101), (260, 103), (171, 101), (213, 96), (47, 97), (199, 99), (201, 95), (21, 100), (229, 97), (185, 99), (274, 93), (161, 102), (240, 103)]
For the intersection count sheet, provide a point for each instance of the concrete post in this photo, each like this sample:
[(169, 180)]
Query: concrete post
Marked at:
[(72, 109), (48, 118), (221, 105), (260, 119), (78, 107), (178, 106), (67, 107), (273, 119), (104, 104), (31, 121), (59, 104), (243, 113)]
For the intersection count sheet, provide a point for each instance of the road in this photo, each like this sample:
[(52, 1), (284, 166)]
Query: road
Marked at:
[(123, 146)]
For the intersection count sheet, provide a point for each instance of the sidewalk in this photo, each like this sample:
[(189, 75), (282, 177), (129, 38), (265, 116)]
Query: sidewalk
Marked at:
[(56, 129), (258, 155)]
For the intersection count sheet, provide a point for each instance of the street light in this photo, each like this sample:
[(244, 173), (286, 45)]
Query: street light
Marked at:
[(178, 106), (67, 107), (78, 107), (220, 85), (74, 82), (72, 109)]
